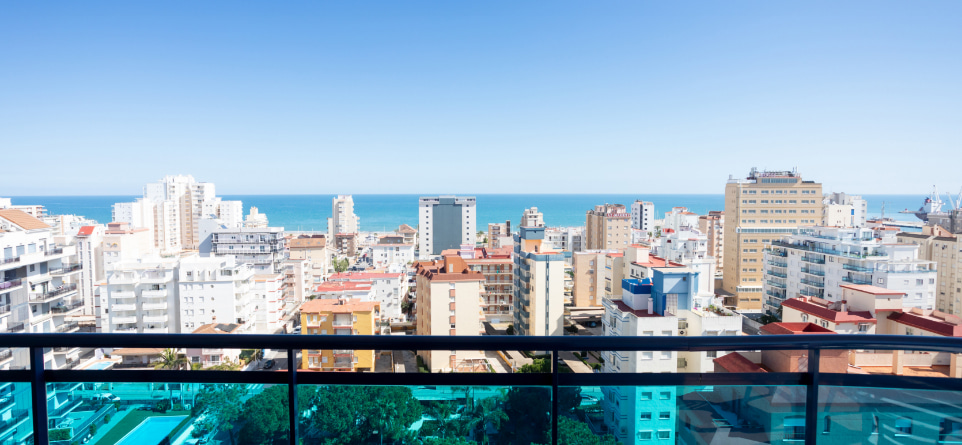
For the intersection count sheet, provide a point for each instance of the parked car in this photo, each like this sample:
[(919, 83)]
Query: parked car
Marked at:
[(105, 397), (269, 364)]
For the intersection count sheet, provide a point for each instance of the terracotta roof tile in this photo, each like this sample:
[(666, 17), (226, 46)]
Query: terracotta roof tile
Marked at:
[(803, 304), (22, 219), (927, 324), (735, 362), (795, 328)]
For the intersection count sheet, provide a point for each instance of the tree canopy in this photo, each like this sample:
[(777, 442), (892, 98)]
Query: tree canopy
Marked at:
[(221, 407), (352, 414)]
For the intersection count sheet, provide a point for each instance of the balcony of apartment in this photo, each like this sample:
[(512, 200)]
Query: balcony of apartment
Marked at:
[(156, 278), (813, 283), (907, 267), (4, 310), (124, 319), (776, 274), (123, 278), (776, 284), (52, 294), (853, 280), (155, 318), (66, 327), (67, 269), (812, 259), (153, 293), (10, 285), (809, 247), (154, 306), (67, 307), (857, 268), (775, 263), (123, 295), (810, 271)]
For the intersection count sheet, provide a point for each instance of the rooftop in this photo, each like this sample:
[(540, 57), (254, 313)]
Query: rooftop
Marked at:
[(823, 309), (22, 219), (339, 306)]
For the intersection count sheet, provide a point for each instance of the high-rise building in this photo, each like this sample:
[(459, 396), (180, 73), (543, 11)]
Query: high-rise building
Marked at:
[(539, 295), (571, 239), (445, 222), (819, 261), (608, 226), (343, 219), (498, 270), (842, 210), (173, 208), (589, 277), (449, 303), (264, 248), (713, 226), (643, 216), (679, 218), (532, 218), (90, 257), (339, 317), (946, 251), (498, 232), (38, 287), (141, 297), (312, 248), (758, 210)]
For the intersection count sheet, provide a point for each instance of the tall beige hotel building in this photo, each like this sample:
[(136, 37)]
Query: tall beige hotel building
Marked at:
[(760, 209)]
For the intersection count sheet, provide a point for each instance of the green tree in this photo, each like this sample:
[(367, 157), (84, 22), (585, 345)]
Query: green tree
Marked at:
[(341, 265), (510, 330), (487, 411), (171, 359), (265, 417), (221, 406), (351, 414), (573, 432), (529, 412)]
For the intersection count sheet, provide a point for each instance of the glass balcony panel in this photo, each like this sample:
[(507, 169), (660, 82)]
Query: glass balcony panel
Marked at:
[(885, 415), (137, 413)]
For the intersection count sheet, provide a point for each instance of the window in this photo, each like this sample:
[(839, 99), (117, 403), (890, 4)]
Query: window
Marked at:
[(644, 435), (903, 426), (646, 355), (863, 327), (665, 355), (828, 425), (664, 434), (645, 416), (794, 428), (665, 396), (646, 396), (664, 415), (804, 318)]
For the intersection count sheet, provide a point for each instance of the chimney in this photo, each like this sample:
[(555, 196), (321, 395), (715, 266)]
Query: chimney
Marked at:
[(843, 306)]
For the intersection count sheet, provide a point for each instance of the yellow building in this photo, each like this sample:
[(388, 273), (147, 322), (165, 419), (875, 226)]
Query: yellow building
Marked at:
[(937, 244), (339, 317), (607, 227), (758, 210)]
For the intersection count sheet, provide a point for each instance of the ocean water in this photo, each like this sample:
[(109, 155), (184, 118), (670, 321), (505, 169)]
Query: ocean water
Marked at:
[(382, 213)]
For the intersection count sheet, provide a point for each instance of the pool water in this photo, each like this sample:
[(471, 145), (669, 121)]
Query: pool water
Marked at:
[(99, 366), (151, 431)]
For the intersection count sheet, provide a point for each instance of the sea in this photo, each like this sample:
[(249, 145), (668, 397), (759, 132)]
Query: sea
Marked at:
[(384, 213)]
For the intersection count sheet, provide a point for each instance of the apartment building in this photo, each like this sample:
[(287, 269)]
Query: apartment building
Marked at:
[(818, 261), (208, 357), (173, 208), (339, 317), (945, 251), (90, 265), (38, 287), (449, 303), (608, 226), (713, 226), (298, 280), (539, 293), (843, 210), (643, 217), (589, 281), (763, 206), (272, 310), (532, 218), (679, 218), (255, 219), (385, 288), (498, 232), (141, 297), (498, 270), (312, 248), (264, 248), (445, 222), (214, 290), (391, 250), (342, 220), (571, 239)]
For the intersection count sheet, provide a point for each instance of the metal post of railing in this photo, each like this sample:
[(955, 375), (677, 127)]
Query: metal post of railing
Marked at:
[(38, 394), (554, 396), (811, 398), (293, 412)]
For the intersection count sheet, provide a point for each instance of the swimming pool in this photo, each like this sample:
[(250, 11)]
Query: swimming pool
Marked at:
[(151, 431), (99, 366)]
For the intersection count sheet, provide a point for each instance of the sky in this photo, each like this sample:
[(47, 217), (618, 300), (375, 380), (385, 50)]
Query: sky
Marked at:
[(478, 97)]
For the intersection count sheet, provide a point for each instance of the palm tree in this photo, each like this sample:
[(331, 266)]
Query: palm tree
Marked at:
[(170, 359), (485, 412)]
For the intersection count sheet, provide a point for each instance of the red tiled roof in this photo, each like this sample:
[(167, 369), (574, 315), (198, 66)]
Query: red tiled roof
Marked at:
[(22, 219), (334, 305), (927, 324), (626, 309), (874, 290), (654, 261), (803, 304), (86, 231), (341, 286), (795, 328), (362, 276), (735, 362)]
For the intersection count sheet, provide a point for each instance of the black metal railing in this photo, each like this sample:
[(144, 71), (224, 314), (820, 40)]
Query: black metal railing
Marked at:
[(811, 378)]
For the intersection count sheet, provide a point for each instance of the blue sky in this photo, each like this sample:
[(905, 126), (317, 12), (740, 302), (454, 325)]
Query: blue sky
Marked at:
[(478, 97)]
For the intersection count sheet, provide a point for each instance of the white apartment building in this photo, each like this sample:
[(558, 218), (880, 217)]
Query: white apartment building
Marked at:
[(679, 218), (273, 313), (173, 208), (314, 249), (264, 248), (445, 222), (214, 290), (38, 287), (571, 239), (141, 297), (90, 257), (255, 219), (300, 281), (343, 219), (387, 289), (819, 260), (532, 218), (540, 296), (391, 250), (842, 210), (643, 216)]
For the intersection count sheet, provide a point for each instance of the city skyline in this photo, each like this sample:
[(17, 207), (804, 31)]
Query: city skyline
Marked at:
[(384, 97)]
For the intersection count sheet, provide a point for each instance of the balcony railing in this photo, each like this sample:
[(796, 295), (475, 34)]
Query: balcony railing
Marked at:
[(68, 268), (809, 380), (856, 280), (53, 293), (10, 284)]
